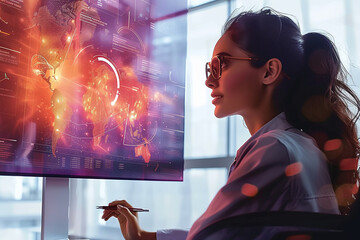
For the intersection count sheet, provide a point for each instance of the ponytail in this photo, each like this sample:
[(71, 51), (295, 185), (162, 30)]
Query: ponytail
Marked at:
[(319, 105)]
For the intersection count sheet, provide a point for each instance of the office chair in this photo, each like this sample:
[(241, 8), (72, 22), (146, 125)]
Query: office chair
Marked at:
[(279, 225)]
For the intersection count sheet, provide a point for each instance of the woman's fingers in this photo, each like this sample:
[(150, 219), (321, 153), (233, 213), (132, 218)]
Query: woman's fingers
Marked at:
[(109, 213), (106, 214), (128, 221), (129, 224), (115, 213), (126, 213), (123, 203)]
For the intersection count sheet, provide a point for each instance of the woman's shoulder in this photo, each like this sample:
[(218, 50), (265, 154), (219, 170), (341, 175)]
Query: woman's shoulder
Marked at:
[(293, 140), (278, 151), (289, 144), (266, 149), (293, 146), (279, 139)]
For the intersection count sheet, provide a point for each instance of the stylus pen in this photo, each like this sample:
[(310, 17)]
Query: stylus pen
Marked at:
[(115, 208)]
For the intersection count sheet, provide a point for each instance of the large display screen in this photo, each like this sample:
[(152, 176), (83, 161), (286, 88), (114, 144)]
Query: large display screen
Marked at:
[(92, 88)]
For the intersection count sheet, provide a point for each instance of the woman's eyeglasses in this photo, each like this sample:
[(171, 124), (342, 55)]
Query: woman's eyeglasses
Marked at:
[(214, 66)]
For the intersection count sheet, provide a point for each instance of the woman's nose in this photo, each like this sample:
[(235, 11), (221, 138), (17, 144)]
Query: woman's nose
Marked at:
[(211, 82)]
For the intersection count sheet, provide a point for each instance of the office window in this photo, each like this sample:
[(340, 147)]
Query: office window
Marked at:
[(293, 9), (205, 135), (254, 5), (333, 25), (194, 3), (352, 20), (20, 207)]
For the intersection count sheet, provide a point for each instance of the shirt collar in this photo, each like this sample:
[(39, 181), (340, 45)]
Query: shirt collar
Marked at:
[(279, 122)]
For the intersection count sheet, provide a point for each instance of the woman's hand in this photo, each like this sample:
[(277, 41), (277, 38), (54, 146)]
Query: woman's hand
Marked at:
[(128, 221)]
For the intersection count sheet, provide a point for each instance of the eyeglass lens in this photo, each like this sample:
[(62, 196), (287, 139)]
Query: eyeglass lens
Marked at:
[(213, 68)]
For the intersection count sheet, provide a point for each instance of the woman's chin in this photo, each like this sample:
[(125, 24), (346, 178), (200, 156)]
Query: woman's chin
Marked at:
[(220, 114)]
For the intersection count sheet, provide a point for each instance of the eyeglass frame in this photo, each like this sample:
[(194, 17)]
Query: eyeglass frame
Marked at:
[(208, 68)]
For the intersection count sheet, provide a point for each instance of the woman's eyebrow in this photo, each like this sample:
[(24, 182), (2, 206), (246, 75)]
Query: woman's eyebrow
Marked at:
[(223, 54)]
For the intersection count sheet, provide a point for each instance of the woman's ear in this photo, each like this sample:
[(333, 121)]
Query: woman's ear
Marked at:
[(273, 68)]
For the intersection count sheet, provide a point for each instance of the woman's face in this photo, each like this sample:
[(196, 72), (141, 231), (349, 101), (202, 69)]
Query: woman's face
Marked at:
[(239, 89)]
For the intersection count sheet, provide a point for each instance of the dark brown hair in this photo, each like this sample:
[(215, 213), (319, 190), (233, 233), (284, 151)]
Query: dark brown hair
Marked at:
[(313, 92)]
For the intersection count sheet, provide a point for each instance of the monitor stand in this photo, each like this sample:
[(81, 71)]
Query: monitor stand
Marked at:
[(55, 205)]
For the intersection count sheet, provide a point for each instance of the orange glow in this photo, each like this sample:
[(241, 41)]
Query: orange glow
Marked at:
[(73, 87), (5, 33), (344, 194), (299, 237), (293, 169), (131, 104), (128, 72), (143, 151), (332, 145), (348, 164), (132, 116), (249, 190)]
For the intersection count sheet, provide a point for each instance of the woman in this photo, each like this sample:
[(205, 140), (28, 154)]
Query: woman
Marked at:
[(290, 90)]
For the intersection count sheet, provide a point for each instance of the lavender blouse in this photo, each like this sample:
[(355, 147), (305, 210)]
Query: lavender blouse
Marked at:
[(279, 168)]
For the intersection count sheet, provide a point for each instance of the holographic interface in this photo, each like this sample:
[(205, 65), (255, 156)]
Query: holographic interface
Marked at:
[(92, 88)]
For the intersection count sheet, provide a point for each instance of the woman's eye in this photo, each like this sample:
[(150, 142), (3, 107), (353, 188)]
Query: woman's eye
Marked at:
[(224, 64)]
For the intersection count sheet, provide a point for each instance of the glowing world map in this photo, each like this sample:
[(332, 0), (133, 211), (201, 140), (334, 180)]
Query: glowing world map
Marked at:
[(98, 97)]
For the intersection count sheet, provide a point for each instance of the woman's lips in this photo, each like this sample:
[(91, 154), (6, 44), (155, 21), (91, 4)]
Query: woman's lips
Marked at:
[(216, 99)]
